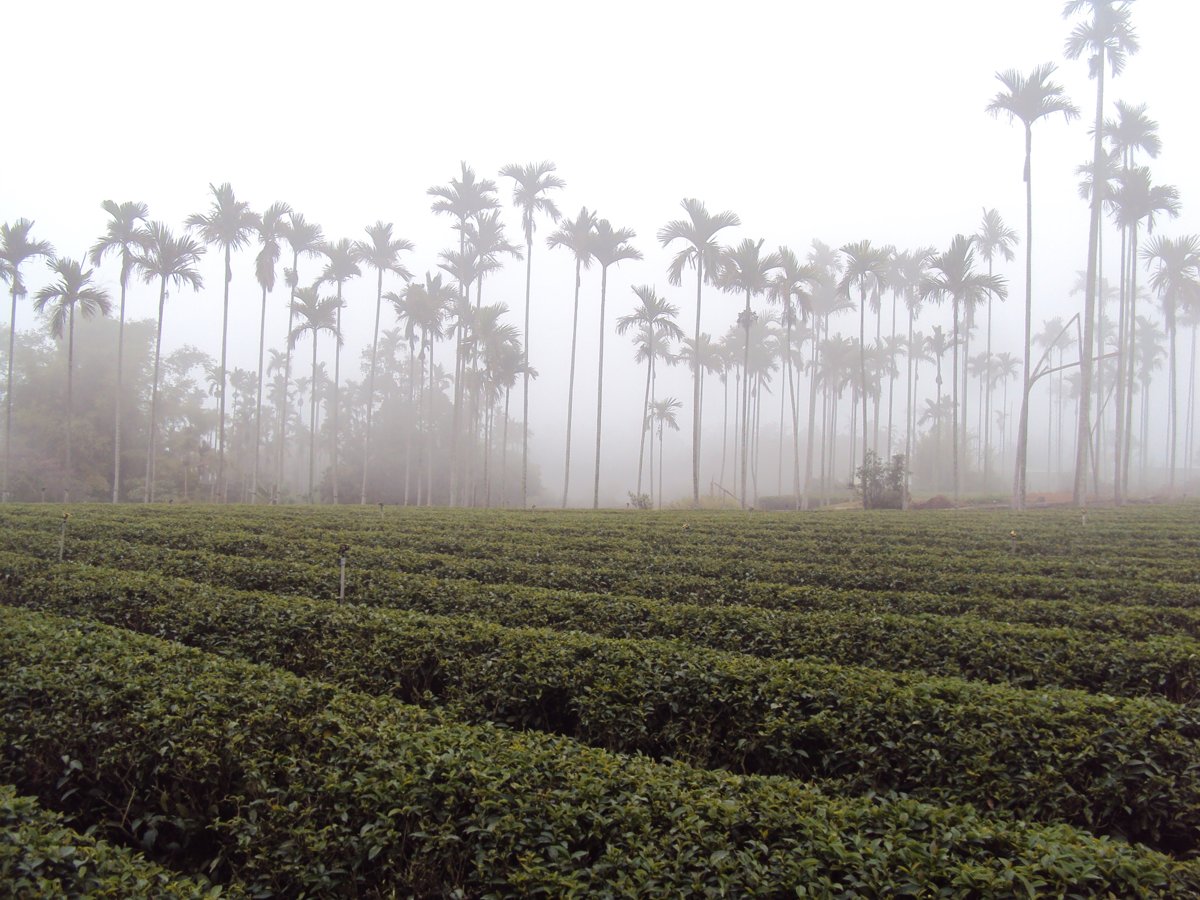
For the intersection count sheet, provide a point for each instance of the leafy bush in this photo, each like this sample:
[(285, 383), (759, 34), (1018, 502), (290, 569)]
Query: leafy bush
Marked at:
[(881, 486)]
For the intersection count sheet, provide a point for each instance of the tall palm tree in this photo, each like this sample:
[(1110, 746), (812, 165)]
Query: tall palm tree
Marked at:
[(994, 238), (382, 253), (270, 229), (316, 314), (532, 183), (792, 282), (463, 199), (1106, 37), (654, 323), (1030, 98), (1135, 200), (341, 267), (228, 224), (16, 248), (866, 268), (953, 276), (174, 260), (703, 253), (73, 290), (125, 235), (1176, 280), (911, 268), (938, 344), (304, 238), (744, 270), (609, 247), (574, 235)]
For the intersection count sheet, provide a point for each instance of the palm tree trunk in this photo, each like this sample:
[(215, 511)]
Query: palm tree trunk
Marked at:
[(504, 452), (287, 377), (570, 389), (362, 499), (1122, 372), (337, 367), (410, 425), (795, 423), (525, 375), (262, 340), (812, 416), (746, 401), (70, 404), (645, 424), (600, 388), (891, 379), (116, 487), (12, 337), (1019, 480), (1131, 350), (1189, 437), (862, 374), (909, 417), (987, 397), (696, 384), (954, 403), (725, 428), (220, 486), (1083, 440), (162, 301), (312, 422), (1173, 407), (429, 430)]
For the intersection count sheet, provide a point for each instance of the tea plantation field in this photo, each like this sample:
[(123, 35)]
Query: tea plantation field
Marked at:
[(194, 703)]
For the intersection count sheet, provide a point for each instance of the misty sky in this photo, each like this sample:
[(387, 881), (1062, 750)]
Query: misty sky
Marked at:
[(837, 121)]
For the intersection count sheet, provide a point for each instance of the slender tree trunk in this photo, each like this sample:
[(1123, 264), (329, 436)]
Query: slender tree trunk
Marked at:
[(746, 401), (337, 372), (287, 376), (149, 488), (812, 416), (796, 489), (262, 341), (1122, 372), (126, 264), (220, 486), (429, 426), (909, 414), (724, 427), (954, 403), (1132, 353), (862, 374), (410, 425), (70, 403), (600, 388), (1019, 476), (504, 452), (570, 388), (12, 337), (362, 499), (1083, 439), (525, 376), (696, 384), (645, 423), (312, 423), (1173, 407)]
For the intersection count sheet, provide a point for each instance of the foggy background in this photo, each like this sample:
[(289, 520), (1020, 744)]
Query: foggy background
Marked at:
[(833, 121)]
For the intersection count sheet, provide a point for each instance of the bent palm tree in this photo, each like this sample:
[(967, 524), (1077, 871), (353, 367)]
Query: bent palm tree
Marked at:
[(609, 247), (316, 314), (73, 290), (228, 225), (125, 235), (382, 253), (16, 247), (270, 227), (698, 231), (574, 235), (169, 259), (1030, 98), (531, 184)]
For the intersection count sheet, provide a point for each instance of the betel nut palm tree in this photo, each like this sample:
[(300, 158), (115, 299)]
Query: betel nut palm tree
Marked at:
[(124, 235), (610, 246), (1028, 99), (228, 224), (340, 268), (702, 252), (270, 228), (1106, 37), (73, 291), (381, 252), (574, 235), (531, 186), (17, 246), (316, 314), (171, 260), (993, 239)]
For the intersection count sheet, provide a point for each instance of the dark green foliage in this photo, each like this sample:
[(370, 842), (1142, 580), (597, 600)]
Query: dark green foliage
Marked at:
[(287, 786), (1049, 755), (881, 486), (42, 857)]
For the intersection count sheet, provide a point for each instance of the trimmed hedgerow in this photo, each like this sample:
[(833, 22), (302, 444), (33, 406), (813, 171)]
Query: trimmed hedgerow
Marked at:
[(284, 785), (41, 857), (1112, 765)]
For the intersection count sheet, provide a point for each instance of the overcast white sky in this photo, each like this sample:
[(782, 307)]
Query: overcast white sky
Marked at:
[(837, 121)]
